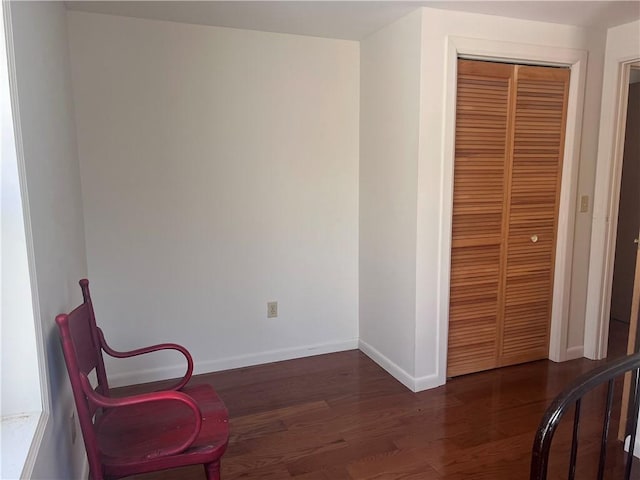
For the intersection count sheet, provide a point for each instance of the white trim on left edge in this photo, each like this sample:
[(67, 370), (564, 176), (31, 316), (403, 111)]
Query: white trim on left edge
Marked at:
[(44, 422), (84, 470), (228, 363), (577, 60)]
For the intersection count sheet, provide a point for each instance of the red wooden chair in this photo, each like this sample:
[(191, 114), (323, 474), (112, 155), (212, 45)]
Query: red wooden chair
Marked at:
[(183, 425)]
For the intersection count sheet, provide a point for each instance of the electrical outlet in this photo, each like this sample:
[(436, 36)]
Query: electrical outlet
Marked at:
[(272, 309), (72, 427)]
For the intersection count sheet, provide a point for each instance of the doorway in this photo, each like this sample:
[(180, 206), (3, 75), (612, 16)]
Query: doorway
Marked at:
[(622, 331), (628, 226)]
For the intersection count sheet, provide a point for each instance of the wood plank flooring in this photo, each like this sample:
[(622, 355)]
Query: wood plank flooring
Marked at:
[(340, 416)]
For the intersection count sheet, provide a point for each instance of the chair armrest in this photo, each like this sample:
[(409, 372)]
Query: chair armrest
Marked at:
[(114, 403), (153, 348)]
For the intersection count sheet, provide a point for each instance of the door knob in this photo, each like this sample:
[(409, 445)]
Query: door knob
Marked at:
[(636, 240), (534, 238)]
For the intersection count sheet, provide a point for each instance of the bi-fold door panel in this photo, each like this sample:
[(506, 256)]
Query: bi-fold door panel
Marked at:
[(478, 209), (538, 144)]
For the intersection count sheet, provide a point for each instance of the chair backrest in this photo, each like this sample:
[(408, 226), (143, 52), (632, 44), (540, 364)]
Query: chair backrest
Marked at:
[(101, 373), (83, 355), (572, 396)]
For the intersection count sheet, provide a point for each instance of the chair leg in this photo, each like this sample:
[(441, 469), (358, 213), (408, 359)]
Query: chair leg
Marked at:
[(212, 470)]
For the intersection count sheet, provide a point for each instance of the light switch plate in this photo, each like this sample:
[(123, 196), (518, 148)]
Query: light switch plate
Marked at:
[(584, 203)]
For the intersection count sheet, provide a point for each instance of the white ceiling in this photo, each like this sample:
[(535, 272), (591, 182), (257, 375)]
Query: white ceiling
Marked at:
[(354, 20)]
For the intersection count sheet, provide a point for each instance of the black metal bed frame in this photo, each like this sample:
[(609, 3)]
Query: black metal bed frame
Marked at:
[(572, 395)]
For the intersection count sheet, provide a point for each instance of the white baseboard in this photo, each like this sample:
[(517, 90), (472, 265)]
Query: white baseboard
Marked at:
[(43, 427), (428, 381), (575, 352), (570, 353), (394, 370), (415, 384), (161, 373), (84, 472), (636, 447)]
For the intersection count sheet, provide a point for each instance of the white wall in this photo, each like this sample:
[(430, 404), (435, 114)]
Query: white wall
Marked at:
[(405, 248), (53, 185), (389, 128), (434, 187), (219, 172), (595, 44), (405, 186)]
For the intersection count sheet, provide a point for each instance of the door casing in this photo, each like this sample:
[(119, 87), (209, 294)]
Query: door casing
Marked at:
[(606, 202), (575, 59)]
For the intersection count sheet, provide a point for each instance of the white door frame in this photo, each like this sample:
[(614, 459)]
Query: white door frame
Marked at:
[(576, 59), (606, 201)]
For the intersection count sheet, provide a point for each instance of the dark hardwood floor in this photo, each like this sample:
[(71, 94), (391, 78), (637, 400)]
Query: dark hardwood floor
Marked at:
[(340, 416), (618, 337)]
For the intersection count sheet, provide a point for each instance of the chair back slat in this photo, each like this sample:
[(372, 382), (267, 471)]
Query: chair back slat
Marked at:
[(605, 429), (101, 372), (574, 440), (572, 395), (83, 343), (81, 357)]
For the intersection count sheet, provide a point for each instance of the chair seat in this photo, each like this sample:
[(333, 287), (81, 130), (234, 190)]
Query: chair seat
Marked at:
[(131, 437)]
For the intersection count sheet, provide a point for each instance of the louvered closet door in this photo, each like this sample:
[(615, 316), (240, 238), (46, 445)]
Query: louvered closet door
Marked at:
[(538, 144), (481, 160), (508, 157)]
